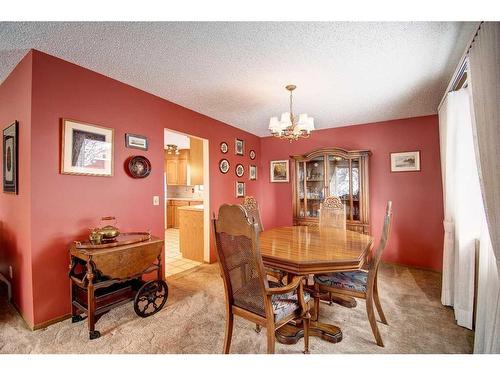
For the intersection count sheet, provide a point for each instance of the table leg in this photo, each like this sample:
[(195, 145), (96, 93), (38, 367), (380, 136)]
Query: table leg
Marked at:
[(93, 334)]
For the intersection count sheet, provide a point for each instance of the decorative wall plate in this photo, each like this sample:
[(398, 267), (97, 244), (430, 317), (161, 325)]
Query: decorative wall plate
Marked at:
[(240, 170), (224, 148), (224, 166), (252, 154), (138, 167)]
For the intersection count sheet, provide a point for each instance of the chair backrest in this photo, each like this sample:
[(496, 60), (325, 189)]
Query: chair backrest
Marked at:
[(386, 231), (252, 208), (238, 253), (332, 213)]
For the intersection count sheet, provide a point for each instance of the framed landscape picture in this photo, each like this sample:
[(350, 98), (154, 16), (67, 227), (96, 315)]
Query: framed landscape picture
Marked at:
[(279, 171), (136, 141), (405, 161), (240, 189), (10, 155), (86, 149)]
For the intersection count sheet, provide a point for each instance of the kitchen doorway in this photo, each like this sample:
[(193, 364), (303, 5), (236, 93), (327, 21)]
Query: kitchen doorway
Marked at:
[(186, 197)]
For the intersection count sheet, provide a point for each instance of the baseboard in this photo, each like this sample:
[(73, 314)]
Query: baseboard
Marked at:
[(50, 322)]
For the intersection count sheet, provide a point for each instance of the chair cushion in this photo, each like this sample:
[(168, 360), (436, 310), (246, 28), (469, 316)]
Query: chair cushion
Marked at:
[(355, 281), (285, 304)]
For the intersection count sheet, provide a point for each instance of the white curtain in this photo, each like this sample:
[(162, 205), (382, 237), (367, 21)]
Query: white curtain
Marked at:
[(484, 77), (463, 206)]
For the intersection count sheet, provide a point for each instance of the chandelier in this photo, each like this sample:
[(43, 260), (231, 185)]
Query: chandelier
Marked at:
[(172, 149), (289, 126)]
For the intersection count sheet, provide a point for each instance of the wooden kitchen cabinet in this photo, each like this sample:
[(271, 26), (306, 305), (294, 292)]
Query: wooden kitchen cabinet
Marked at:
[(195, 161), (176, 167), (191, 233), (173, 212)]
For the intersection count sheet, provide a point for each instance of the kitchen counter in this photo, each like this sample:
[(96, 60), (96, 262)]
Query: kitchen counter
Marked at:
[(198, 207)]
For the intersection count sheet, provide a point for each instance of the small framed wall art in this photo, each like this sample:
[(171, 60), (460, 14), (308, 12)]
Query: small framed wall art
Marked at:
[(405, 161), (252, 172), (224, 166), (136, 141), (86, 149), (239, 146), (240, 189), (10, 158), (224, 148), (252, 154), (279, 171), (240, 170)]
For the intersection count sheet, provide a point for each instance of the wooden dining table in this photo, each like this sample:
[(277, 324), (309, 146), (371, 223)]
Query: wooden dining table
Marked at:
[(303, 251)]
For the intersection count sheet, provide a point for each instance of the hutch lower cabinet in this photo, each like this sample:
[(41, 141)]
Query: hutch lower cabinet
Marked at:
[(332, 171)]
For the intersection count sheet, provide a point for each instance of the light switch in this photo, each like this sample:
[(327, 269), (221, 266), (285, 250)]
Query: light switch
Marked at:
[(156, 200)]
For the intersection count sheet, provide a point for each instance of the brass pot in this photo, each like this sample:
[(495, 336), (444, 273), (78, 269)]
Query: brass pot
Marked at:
[(109, 232), (95, 236)]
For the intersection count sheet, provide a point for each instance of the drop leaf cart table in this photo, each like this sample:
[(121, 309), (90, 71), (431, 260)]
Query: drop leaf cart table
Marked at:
[(110, 274)]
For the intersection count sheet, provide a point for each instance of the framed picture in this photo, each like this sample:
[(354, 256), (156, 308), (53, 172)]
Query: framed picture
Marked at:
[(86, 149), (252, 172), (136, 141), (224, 148), (240, 189), (10, 158), (240, 170), (239, 146), (279, 171), (405, 161), (224, 166), (252, 154)]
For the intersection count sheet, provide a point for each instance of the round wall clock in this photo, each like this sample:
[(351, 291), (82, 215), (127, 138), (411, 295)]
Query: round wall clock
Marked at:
[(224, 166), (240, 170), (138, 166), (224, 148), (252, 154)]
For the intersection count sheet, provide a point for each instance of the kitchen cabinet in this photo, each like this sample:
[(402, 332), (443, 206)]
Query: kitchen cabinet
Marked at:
[(173, 210), (191, 232), (195, 161), (176, 167)]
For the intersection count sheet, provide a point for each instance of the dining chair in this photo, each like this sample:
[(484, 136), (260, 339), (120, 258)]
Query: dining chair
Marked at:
[(332, 213), (248, 292), (252, 208), (361, 283)]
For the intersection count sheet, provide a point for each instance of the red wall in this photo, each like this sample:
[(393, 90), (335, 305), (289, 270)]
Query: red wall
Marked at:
[(65, 206), (417, 232), (39, 224), (15, 210)]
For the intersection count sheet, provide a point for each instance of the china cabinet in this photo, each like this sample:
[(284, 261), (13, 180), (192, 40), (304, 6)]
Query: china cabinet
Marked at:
[(332, 171)]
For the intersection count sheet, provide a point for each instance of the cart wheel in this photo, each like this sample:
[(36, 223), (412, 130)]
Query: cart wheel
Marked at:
[(150, 298)]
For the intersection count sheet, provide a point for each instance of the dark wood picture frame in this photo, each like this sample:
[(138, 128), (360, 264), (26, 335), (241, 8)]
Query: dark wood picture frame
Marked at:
[(10, 158), (221, 161), (252, 155), (252, 172), (238, 166), (224, 148), (239, 147), (240, 184), (129, 139)]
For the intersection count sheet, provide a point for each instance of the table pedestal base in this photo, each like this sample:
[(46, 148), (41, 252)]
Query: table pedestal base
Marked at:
[(343, 301), (291, 333)]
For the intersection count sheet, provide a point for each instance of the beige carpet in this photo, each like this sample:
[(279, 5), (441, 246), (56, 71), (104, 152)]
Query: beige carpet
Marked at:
[(193, 322)]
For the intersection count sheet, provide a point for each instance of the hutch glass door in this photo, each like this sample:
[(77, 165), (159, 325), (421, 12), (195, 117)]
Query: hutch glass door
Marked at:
[(314, 185)]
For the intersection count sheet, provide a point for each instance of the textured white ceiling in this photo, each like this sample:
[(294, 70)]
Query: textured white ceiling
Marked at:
[(346, 72)]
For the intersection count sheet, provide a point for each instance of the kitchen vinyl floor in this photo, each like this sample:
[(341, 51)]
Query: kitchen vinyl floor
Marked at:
[(174, 262)]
